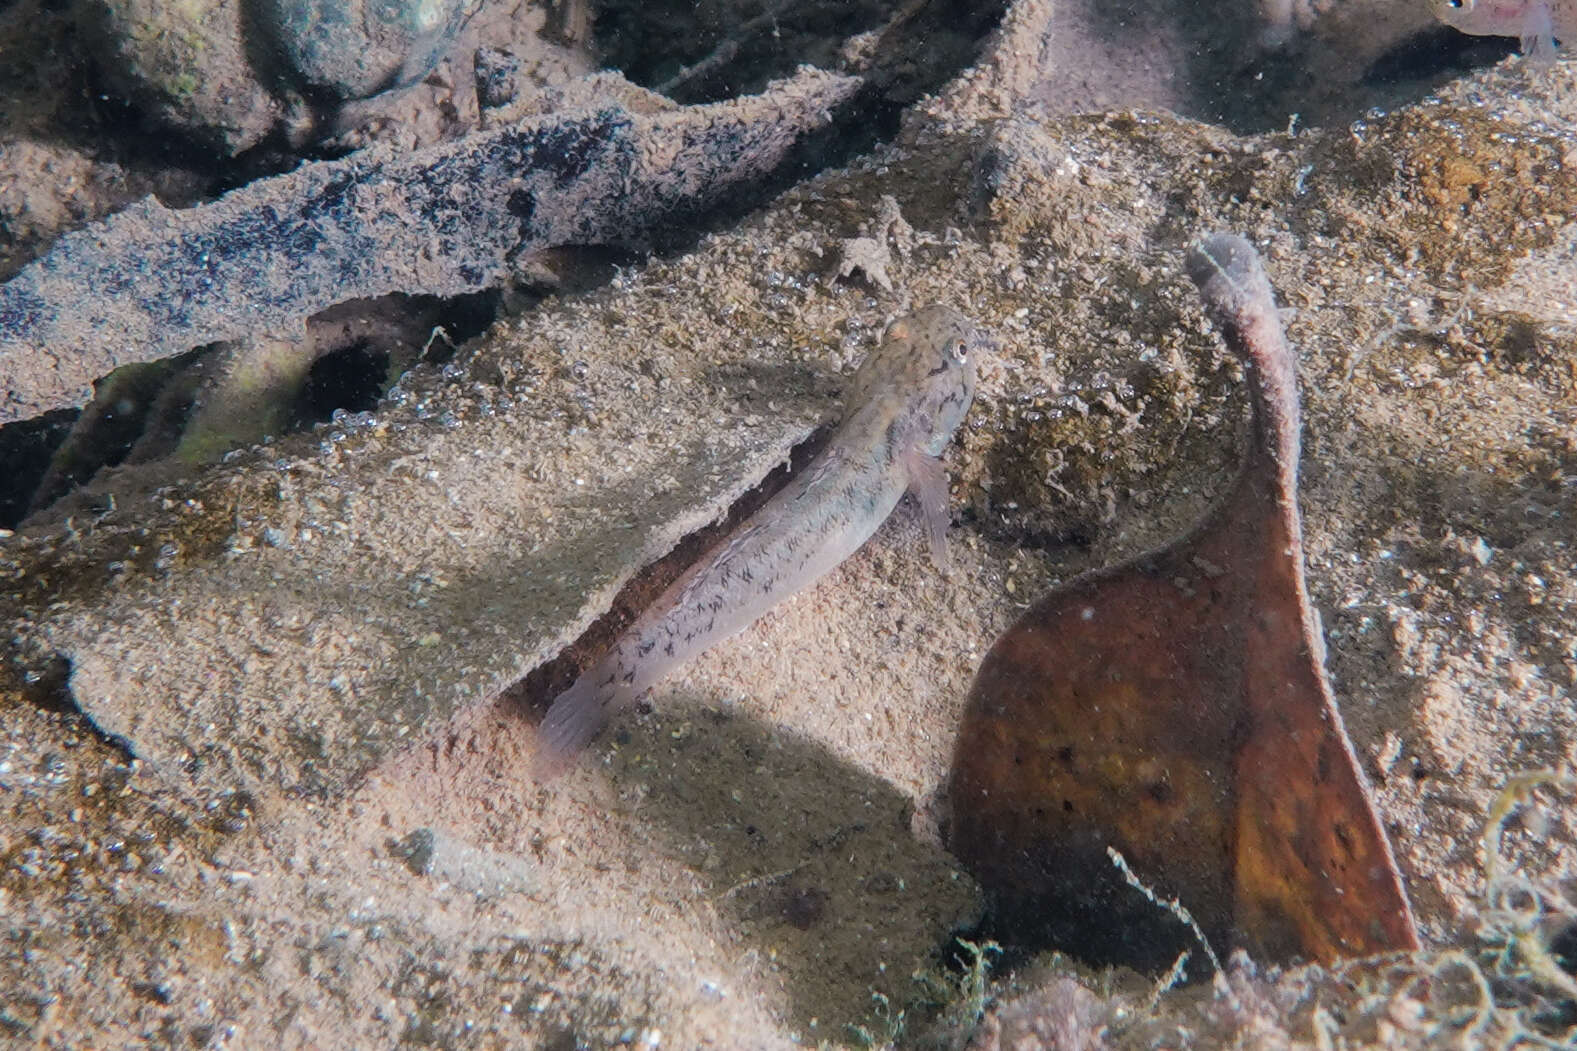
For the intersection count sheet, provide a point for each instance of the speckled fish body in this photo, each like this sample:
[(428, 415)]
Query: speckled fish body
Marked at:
[(1537, 23), (903, 406)]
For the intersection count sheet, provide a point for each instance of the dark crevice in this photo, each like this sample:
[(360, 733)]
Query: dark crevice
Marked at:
[(357, 341), (133, 405), (350, 378), (1010, 530), (1435, 53), (45, 683), (1099, 921), (25, 449), (917, 54)]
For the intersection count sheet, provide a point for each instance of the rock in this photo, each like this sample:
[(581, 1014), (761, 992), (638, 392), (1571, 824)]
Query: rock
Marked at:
[(351, 49), (185, 66), (496, 70)]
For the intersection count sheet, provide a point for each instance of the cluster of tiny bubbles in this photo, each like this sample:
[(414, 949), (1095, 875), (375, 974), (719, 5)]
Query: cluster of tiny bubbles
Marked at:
[(352, 421), (1121, 386), (1360, 127), (53, 770), (431, 406), (488, 401), (166, 557), (1035, 396), (855, 332), (1067, 405), (851, 348), (794, 282)]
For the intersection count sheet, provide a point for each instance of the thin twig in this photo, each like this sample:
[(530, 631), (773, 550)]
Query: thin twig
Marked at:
[(1172, 905), (725, 51)]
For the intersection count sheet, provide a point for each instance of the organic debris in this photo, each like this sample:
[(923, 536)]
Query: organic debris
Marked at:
[(1176, 708), (447, 220), (1504, 988)]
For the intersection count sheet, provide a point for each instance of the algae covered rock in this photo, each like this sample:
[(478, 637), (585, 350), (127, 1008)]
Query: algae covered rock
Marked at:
[(185, 65), (225, 73), (349, 49)]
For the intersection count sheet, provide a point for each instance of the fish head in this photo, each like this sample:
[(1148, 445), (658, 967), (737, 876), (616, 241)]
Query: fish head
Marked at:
[(1485, 17), (929, 358)]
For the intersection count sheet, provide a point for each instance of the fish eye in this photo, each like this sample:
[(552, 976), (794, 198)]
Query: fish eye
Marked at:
[(1456, 5), (961, 350)]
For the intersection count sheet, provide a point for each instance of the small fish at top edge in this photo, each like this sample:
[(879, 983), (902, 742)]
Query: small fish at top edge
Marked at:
[(1538, 24)]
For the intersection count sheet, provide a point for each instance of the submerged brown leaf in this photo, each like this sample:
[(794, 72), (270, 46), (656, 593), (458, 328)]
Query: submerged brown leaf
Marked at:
[(1176, 708)]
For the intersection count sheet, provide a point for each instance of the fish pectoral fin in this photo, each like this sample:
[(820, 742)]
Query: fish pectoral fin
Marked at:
[(1538, 35), (928, 482)]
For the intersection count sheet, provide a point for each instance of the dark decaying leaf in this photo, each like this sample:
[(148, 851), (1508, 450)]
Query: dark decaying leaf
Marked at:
[(1176, 707)]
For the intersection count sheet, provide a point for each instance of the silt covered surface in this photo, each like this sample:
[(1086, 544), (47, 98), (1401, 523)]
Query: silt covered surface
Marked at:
[(301, 647)]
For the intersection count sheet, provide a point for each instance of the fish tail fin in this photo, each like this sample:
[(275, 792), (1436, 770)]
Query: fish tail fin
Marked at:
[(574, 718)]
